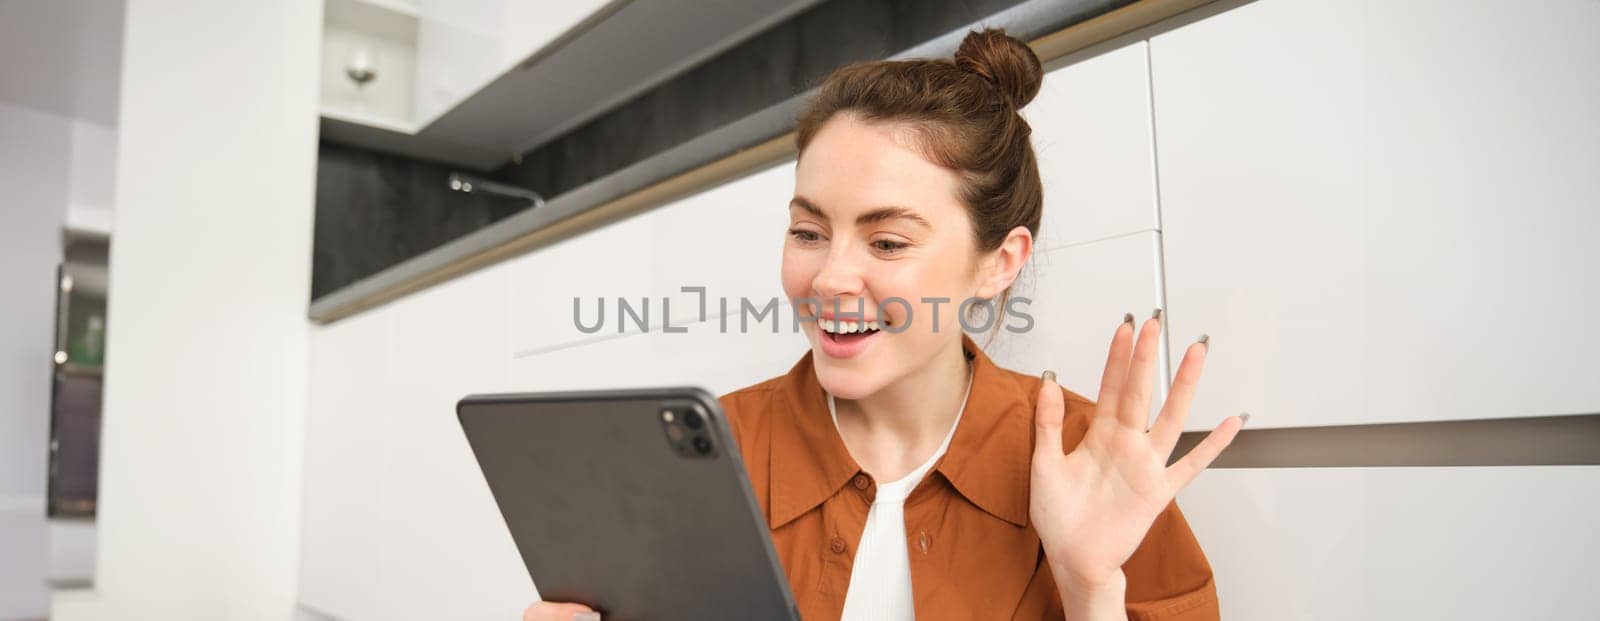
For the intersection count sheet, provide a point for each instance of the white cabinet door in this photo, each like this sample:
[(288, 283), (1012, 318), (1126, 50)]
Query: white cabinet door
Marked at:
[(717, 358), (1400, 543), (345, 515), (604, 263), (1077, 297), (1384, 211), (1091, 132), (728, 239), (1096, 256), (447, 547), (394, 501)]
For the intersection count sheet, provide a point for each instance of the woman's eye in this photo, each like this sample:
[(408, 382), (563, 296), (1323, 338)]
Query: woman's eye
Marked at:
[(805, 235), (884, 245)]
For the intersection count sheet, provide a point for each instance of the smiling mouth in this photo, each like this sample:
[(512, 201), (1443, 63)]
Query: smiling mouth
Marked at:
[(845, 331)]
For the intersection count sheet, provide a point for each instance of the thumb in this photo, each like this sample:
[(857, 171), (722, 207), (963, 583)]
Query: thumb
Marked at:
[(1048, 414)]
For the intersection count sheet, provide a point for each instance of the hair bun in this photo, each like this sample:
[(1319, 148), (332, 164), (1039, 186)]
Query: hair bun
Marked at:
[(1004, 61)]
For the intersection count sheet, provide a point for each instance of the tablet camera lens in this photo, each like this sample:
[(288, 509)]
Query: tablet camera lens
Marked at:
[(702, 445), (692, 419)]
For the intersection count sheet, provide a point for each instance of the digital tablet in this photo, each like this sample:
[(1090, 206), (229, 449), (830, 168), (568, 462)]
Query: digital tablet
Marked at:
[(633, 502)]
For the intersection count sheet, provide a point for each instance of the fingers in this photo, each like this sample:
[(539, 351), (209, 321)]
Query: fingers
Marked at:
[(1047, 417), (1133, 408), (559, 611), (1200, 457), (1169, 425), (1116, 369)]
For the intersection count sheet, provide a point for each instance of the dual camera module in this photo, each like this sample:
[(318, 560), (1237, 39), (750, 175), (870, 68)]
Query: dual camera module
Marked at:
[(687, 431)]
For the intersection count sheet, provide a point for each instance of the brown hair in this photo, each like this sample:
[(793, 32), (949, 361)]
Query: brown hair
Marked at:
[(963, 114)]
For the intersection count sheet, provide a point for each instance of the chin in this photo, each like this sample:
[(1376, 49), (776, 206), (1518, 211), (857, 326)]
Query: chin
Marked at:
[(851, 378), (847, 384)]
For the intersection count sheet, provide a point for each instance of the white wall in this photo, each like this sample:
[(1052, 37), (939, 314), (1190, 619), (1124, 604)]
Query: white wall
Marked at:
[(58, 84), (204, 404), (59, 76), (63, 57), (1222, 171), (35, 152)]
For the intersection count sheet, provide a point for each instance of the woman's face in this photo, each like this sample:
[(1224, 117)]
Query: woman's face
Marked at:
[(879, 231)]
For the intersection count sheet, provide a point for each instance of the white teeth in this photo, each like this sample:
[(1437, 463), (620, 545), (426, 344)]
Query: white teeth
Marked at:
[(836, 326)]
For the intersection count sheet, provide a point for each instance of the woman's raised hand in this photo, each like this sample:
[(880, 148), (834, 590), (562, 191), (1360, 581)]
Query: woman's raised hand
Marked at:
[(1093, 506)]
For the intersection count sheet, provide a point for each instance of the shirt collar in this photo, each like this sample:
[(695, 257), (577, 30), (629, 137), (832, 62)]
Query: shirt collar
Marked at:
[(987, 462)]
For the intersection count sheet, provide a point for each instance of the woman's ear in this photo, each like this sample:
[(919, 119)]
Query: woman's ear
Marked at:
[(1005, 262)]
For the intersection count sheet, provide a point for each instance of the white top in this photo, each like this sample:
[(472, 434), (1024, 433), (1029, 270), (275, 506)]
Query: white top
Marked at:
[(880, 579)]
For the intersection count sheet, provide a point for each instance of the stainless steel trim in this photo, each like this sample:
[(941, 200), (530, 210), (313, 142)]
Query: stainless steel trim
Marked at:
[(1572, 440)]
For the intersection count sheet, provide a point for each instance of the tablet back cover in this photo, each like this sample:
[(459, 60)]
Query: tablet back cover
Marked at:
[(606, 512)]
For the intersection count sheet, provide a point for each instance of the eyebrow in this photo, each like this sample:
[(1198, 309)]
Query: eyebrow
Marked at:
[(877, 215)]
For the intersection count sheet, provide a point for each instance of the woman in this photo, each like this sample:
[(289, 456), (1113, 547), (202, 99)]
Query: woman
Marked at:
[(904, 474)]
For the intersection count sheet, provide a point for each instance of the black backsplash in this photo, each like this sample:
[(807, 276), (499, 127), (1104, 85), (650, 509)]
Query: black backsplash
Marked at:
[(786, 60), (376, 210)]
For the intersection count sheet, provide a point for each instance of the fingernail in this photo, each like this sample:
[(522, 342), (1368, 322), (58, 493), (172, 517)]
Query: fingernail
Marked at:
[(1127, 318), (1048, 376), (1205, 339), (1156, 315), (1245, 416), (586, 616)]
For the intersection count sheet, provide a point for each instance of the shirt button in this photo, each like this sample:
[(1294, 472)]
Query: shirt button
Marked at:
[(837, 545), (861, 482), (924, 541)]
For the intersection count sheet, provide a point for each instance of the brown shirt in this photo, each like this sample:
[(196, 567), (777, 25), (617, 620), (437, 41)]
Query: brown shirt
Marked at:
[(973, 554)]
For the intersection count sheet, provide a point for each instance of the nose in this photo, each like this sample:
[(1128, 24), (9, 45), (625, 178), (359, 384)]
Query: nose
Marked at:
[(840, 276)]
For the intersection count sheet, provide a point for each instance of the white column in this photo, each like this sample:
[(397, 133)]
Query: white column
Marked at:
[(205, 381)]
